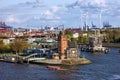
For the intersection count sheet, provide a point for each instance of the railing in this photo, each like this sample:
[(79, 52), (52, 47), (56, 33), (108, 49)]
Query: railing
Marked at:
[(31, 55), (33, 59)]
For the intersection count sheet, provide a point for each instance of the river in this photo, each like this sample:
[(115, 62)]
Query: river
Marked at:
[(103, 67)]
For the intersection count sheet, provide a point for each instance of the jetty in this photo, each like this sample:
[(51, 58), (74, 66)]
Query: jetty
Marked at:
[(11, 58), (78, 61)]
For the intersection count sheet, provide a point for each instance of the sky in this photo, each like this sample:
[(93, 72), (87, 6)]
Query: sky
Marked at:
[(70, 13)]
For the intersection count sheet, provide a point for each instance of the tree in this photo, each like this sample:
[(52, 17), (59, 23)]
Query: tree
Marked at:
[(112, 35), (4, 47), (1, 46), (116, 35), (19, 45), (73, 39), (82, 39), (69, 33)]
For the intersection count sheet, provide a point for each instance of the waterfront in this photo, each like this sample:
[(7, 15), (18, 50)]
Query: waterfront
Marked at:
[(103, 67)]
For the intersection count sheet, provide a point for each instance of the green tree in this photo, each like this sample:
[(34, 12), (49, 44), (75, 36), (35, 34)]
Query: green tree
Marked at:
[(85, 39), (4, 48), (19, 45), (1, 46), (69, 34), (73, 39), (116, 35), (112, 35), (82, 39)]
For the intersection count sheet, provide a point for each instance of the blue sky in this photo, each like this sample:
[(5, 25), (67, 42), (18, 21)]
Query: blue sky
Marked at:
[(70, 13)]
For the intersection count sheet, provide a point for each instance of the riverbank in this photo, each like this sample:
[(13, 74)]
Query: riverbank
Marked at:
[(12, 58), (116, 45)]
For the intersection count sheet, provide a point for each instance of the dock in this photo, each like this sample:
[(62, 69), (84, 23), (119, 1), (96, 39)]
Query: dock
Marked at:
[(11, 58), (79, 61)]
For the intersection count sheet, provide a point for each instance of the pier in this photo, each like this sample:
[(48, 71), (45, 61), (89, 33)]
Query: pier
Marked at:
[(67, 54), (11, 58), (59, 62)]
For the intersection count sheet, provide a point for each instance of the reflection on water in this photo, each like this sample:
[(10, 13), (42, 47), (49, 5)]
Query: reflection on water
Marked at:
[(103, 67)]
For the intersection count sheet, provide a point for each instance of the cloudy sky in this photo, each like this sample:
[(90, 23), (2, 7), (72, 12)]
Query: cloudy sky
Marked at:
[(70, 13)]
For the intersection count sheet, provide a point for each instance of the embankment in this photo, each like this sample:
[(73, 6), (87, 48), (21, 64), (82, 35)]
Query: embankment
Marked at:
[(117, 45)]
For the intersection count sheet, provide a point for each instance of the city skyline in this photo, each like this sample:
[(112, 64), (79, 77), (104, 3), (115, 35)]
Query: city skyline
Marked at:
[(70, 13)]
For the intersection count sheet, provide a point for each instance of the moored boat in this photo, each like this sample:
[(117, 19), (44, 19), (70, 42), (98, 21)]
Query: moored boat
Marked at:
[(54, 67)]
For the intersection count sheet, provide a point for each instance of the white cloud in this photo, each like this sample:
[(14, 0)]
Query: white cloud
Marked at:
[(36, 17), (36, 11), (80, 0), (50, 15), (12, 19), (108, 7), (55, 8), (119, 17), (40, 2), (101, 3)]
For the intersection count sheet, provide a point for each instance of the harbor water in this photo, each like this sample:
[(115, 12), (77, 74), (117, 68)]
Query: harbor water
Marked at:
[(103, 67)]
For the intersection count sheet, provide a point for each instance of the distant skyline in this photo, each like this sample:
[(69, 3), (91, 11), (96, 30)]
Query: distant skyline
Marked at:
[(70, 13)]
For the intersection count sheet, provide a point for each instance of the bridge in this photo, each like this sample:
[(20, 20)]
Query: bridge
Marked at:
[(31, 55)]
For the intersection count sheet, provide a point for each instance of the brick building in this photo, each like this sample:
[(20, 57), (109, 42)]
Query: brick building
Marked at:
[(62, 44)]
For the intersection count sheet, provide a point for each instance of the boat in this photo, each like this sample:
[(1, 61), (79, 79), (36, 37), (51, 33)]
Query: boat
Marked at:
[(54, 67)]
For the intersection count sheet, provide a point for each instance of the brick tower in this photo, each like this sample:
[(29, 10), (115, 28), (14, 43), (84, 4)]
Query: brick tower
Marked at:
[(62, 44)]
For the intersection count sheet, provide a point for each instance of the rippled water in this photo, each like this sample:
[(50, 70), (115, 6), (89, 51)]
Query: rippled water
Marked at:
[(103, 67)]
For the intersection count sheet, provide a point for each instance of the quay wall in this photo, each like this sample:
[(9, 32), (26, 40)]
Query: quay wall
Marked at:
[(117, 45)]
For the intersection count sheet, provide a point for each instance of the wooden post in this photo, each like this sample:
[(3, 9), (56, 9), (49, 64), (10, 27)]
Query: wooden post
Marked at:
[(28, 61)]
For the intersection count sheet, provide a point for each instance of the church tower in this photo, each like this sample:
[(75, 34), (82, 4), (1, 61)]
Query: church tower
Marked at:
[(62, 44)]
